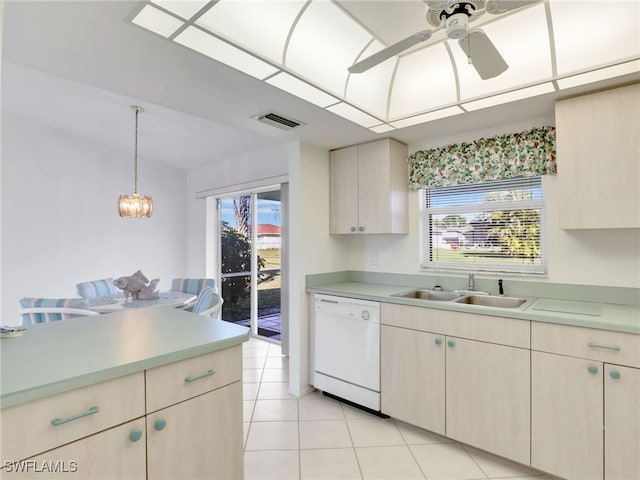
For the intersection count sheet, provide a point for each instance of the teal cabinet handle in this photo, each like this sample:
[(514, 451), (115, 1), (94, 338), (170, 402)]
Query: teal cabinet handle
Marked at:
[(59, 421), (438, 341), (160, 424), (135, 435), (592, 369), (605, 347), (614, 374), (199, 377), (451, 343)]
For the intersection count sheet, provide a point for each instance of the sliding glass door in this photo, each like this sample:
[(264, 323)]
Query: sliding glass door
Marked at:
[(250, 261)]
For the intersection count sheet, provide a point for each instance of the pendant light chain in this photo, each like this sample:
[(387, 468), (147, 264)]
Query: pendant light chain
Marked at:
[(135, 162)]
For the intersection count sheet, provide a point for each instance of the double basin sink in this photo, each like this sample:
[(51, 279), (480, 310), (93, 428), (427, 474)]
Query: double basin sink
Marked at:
[(467, 297)]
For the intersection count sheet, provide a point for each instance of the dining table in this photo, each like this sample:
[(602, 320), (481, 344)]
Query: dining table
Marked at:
[(115, 303)]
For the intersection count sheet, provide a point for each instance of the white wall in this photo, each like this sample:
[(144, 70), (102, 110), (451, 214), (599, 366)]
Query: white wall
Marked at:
[(586, 257), (60, 224)]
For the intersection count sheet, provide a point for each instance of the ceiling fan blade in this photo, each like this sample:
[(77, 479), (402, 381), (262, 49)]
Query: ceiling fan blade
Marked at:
[(497, 7), (485, 57), (390, 51)]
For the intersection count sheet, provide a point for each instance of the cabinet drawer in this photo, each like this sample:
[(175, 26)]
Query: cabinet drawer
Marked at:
[(28, 428), (188, 378), (603, 345)]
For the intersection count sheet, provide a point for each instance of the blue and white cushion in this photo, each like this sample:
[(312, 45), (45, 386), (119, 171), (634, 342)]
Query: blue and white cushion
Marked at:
[(27, 302), (192, 285), (206, 299), (97, 288)]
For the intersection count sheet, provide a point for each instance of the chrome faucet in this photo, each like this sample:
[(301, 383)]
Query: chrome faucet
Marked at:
[(472, 282)]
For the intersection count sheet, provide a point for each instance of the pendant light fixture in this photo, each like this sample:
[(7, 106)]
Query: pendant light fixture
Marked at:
[(135, 206)]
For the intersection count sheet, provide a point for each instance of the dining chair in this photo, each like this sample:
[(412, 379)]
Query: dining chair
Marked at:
[(97, 288), (41, 310), (208, 303), (192, 286)]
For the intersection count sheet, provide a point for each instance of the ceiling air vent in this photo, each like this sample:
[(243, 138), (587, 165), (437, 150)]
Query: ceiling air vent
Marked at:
[(278, 121)]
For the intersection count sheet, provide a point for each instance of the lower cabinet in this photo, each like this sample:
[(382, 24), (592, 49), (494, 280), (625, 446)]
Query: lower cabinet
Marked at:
[(191, 426), (413, 377), (115, 453), (199, 438), (567, 416), (473, 391), (621, 422), (488, 391)]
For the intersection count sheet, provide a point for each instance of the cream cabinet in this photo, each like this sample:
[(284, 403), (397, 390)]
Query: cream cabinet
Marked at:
[(580, 386), (463, 375), (412, 375), (488, 392), (369, 188), (598, 154), (180, 420)]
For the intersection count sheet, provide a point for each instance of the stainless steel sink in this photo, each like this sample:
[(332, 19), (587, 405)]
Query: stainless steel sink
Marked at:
[(426, 294), (494, 301)]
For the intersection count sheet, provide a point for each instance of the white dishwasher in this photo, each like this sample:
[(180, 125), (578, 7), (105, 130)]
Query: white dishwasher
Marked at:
[(347, 349)]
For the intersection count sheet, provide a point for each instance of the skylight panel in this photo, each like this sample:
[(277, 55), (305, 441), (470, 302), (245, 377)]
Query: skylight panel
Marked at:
[(260, 26), (324, 43), (523, 41), (595, 34), (424, 80), (223, 52), (370, 90), (157, 21)]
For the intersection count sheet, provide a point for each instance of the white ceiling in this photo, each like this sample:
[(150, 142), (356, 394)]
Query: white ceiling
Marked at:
[(78, 66)]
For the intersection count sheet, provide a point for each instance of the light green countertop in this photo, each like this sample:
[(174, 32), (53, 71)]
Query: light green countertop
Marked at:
[(51, 358), (620, 318)]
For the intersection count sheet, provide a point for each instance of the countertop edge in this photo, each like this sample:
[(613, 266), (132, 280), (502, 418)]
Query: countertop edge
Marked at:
[(358, 290), (42, 391)]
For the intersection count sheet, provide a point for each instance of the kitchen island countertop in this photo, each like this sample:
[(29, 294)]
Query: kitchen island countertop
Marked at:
[(55, 357), (620, 318)]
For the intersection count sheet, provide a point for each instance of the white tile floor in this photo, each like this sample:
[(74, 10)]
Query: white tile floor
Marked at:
[(316, 437)]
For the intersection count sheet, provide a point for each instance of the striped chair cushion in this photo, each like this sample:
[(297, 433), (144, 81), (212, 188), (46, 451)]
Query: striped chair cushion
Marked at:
[(206, 299), (192, 285), (27, 302), (97, 288)]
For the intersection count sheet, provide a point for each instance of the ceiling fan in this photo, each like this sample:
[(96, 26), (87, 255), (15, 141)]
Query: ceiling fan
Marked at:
[(455, 16)]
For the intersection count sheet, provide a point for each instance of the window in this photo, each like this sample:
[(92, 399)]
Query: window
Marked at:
[(491, 226)]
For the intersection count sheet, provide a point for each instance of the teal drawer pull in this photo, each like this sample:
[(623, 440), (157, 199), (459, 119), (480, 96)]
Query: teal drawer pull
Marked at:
[(592, 369), (606, 347), (438, 341), (614, 374), (160, 424), (59, 421), (199, 377), (451, 343), (135, 435)]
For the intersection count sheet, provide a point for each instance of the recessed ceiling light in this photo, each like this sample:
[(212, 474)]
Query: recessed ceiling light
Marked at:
[(157, 21), (183, 8), (351, 113), (509, 96), (223, 52), (301, 89), (601, 74), (385, 127), (427, 117)]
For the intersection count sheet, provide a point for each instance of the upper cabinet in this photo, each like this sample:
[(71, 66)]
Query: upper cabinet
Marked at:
[(598, 152), (369, 188)]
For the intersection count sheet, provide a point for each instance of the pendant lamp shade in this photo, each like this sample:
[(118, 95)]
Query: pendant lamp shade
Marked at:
[(135, 206)]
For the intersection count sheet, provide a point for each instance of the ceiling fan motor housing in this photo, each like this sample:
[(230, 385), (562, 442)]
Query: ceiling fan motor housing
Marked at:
[(457, 26)]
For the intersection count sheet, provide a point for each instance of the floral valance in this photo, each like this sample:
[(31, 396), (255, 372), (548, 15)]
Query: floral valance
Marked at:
[(531, 153)]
